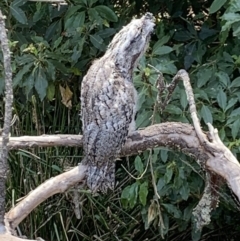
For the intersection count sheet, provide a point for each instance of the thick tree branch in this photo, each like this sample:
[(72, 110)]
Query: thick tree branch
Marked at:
[(58, 184), (173, 135), (220, 159)]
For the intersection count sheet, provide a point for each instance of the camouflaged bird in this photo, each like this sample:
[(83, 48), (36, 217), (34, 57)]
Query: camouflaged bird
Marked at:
[(108, 102)]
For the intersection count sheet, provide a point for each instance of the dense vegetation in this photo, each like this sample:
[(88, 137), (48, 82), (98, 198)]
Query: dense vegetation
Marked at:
[(51, 51)]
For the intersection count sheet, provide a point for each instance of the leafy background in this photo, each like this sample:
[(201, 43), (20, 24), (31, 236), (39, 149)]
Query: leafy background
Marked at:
[(51, 51)]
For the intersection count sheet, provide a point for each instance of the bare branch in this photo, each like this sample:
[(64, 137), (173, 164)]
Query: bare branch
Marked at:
[(173, 135), (25, 142), (9, 237), (182, 74), (220, 159), (7, 115), (58, 184)]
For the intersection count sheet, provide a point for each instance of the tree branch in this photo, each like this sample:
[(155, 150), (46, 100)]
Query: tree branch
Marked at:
[(173, 135), (58, 184), (7, 117)]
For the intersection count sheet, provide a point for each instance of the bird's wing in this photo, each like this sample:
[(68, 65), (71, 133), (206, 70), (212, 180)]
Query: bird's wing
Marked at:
[(108, 109)]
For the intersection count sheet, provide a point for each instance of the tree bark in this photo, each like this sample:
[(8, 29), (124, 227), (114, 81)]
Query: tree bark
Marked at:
[(7, 118), (178, 136)]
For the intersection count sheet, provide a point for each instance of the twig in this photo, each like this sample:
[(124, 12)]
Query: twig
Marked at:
[(161, 87), (142, 174), (7, 115), (182, 74)]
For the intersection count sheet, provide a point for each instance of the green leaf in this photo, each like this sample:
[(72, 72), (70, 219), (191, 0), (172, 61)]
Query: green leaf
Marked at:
[(2, 85), (57, 42), (25, 59), (18, 14), (38, 15), (164, 155), (69, 23), (138, 164), (187, 213), (231, 103), (51, 71), (205, 32), (222, 133), (235, 128), (142, 117), (167, 67), (206, 114), (160, 42), (172, 210), (222, 99), (183, 99), (184, 191), (106, 13), (77, 50), (141, 98), (173, 109), (216, 5), (60, 66), (71, 10), (236, 30), (91, 2), (85, 2), (223, 78), (52, 29), (56, 168), (94, 16), (79, 20), (133, 194), (160, 185), (178, 182), (161, 50), (201, 94), (19, 76), (235, 83), (235, 112), (107, 32), (41, 83), (230, 18), (182, 35), (196, 233), (129, 195), (125, 196), (143, 192), (18, 3), (203, 76), (29, 83), (168, 175), (51, 91), (96, 41)]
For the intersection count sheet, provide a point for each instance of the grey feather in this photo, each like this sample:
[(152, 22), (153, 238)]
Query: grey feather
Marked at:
[(108, 102)]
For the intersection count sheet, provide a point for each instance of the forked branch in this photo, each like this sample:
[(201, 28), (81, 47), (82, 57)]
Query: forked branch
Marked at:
[(211, 152)]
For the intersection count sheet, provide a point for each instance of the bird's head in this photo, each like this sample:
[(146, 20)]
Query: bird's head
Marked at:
[(132, 40)]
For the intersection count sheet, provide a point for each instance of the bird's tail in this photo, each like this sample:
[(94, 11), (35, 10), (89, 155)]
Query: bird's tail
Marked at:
[(101, 178)]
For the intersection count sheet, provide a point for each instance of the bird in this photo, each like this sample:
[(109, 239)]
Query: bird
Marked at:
[(109, 102)]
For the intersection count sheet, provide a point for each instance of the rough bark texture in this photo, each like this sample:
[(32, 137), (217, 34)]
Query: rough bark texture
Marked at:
[(58, 184), (170, 134), (7, 117), (173, 135)]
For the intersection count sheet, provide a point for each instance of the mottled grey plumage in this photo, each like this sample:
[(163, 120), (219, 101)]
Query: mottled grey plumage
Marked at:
[(108, 100)]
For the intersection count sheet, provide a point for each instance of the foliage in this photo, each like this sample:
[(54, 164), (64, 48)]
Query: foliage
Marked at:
[(51, 51)]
